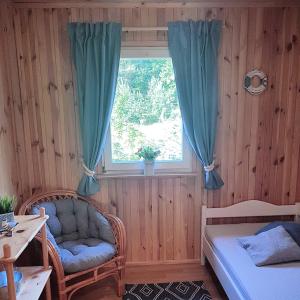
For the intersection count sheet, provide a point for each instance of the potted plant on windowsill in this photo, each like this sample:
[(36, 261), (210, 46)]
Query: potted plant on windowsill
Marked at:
[(7, 206), (148, 154)]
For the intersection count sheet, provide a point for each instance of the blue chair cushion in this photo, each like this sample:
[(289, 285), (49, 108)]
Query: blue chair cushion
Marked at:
[(81, 235), (83, 254)]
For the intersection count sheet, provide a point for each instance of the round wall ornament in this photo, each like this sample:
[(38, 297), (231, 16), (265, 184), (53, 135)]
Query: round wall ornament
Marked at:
[(255, 82)]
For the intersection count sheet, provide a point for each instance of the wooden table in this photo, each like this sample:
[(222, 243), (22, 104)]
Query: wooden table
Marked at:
[(34, 278)]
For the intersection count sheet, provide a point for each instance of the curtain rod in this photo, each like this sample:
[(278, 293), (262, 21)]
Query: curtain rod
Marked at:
[(144, 29)]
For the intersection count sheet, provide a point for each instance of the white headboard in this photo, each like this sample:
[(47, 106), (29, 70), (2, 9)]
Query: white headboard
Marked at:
[(249, 208)]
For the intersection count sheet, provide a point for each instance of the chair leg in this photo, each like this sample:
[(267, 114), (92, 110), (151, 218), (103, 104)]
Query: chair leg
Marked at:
[(63, 296), (120, 283), (62, 291), (121, 288)]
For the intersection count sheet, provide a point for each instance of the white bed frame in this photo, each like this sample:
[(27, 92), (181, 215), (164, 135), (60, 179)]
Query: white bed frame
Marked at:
[(250, 208)]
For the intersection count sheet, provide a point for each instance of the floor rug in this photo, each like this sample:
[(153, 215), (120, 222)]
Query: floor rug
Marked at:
[(189, 290)]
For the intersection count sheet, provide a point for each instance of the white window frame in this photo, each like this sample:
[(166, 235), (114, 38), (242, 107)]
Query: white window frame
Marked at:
[(182, 166)]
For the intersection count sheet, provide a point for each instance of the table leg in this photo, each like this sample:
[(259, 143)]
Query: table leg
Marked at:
[(9, 273), (45, 253)]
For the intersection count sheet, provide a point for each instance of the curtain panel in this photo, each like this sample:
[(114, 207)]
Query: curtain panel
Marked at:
[(193, 47), (96, 55)]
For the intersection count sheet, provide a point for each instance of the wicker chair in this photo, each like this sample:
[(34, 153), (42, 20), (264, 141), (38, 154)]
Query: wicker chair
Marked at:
[(68, 284)]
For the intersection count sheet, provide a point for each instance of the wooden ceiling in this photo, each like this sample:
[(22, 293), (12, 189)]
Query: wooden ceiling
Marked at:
[(157, 3)]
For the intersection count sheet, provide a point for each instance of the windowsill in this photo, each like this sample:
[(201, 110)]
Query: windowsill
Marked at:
[(108, 175)]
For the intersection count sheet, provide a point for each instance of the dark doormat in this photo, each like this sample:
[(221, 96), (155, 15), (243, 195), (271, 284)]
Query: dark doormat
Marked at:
[(189, 290)]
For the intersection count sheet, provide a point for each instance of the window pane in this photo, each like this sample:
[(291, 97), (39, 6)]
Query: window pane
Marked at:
[(146, 110)]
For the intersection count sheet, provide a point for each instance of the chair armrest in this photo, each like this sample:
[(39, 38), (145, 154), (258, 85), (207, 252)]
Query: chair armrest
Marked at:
[(119, 233), (55, 258)]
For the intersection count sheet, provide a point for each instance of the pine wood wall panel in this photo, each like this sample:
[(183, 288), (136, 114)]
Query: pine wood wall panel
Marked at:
[(151, 3), (162, 216), (8, 172), (257, 148)]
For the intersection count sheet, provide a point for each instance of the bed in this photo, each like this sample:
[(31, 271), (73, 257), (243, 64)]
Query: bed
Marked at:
[(239, 276)]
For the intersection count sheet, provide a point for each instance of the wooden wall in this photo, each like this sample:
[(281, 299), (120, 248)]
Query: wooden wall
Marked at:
[(8, 179), (258, 139)]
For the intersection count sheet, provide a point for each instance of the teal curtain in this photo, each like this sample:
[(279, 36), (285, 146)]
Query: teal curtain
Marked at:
[(193, 48), (96, 55)]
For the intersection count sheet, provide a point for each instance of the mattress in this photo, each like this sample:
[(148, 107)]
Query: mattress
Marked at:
[(276, 282)]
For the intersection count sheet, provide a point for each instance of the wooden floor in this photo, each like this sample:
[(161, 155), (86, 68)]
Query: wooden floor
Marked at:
[(154, 274)]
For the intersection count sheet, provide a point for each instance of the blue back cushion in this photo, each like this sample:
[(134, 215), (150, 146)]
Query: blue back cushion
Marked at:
[(291, 227), (72, 219)]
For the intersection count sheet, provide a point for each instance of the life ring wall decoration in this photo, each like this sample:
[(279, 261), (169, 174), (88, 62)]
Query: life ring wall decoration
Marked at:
[(248, 82)]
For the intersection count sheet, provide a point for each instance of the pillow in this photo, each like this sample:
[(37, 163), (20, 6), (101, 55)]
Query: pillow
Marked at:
[(291, 227), (271, 247)]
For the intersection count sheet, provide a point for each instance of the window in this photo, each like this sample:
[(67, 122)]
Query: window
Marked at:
[(146, 112)]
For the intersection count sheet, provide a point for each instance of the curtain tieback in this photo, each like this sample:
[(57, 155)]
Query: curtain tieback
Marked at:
[(210, 167), (87, 171)]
